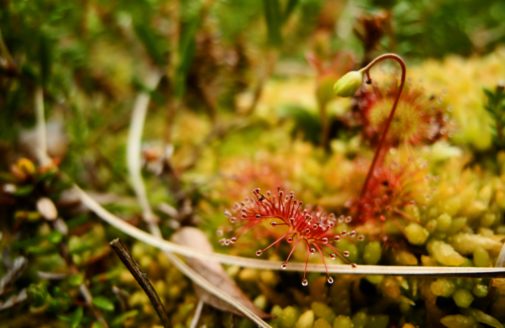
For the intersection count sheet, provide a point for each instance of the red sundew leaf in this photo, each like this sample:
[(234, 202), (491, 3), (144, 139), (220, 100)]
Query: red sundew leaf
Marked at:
[(313, 228)]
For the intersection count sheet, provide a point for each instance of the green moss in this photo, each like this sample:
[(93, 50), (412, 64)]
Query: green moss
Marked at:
[(372, 252), (442, 287), (306, 320), (462, 297), (416, 234)]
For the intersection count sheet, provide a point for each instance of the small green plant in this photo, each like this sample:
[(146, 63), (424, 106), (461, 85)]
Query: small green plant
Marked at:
[(496, 108)]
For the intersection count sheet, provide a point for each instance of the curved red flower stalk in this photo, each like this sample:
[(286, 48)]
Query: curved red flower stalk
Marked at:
[(378, 156), (312, 228)]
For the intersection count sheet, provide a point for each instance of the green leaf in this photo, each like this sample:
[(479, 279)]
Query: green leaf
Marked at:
[(37, 294), (290, 7), (123, 317), (76, 279), (273, 19), (55, 237), (45, 59), (103, 303), (485, 318), (152, 43), (74, 319), (187, 47), (23, 190)]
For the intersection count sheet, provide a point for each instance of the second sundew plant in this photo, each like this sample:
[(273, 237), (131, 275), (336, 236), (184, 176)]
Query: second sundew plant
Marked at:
[(315, 230), (421, 118)]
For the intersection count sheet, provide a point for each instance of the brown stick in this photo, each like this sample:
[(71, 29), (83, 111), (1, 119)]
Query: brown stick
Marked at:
[(141, 277)]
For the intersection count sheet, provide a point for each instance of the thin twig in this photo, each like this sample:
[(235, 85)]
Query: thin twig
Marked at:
[(130, 263), (276, 265)]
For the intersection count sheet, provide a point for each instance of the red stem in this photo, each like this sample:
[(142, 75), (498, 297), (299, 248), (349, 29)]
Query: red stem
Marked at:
[(382, 140)]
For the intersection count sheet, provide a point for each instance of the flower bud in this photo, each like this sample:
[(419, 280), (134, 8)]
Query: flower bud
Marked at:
[(348, 84)]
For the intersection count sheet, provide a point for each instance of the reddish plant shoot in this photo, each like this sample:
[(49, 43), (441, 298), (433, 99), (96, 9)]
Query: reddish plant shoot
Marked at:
[(313, 229), (392, 187)]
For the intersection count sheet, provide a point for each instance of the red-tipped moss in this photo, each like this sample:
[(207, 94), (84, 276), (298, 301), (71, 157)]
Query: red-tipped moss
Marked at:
[(313, 229)]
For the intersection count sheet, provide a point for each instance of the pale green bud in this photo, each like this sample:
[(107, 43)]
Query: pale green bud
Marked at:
[(348, 84)]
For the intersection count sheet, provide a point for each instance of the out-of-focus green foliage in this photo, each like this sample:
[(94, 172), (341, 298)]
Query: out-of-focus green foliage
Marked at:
[(437, 28), (496, 108), (242, 108)]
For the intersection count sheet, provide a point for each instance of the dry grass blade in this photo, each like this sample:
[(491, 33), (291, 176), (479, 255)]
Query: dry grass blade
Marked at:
[(15, 270), (133, 155), (276, 265), (14, 299), (133, 162), (41, 150)]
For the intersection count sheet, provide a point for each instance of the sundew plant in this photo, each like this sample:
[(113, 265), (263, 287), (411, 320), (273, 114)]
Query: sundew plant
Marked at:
[(273, 163)]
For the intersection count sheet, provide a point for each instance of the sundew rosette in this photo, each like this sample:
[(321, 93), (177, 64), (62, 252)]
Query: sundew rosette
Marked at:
[(421, 117), (288, 220)]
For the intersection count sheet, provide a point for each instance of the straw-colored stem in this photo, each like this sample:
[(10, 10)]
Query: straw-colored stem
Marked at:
[(133, 151), (276, 265)]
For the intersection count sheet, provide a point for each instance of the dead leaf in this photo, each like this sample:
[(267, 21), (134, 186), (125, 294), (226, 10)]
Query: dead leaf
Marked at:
[(13, 272), (57, 141), (47, 209), (14, 299), (213, 272)]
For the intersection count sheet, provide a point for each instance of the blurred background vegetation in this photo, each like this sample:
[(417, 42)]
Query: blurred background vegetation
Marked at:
[(91, 58)]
